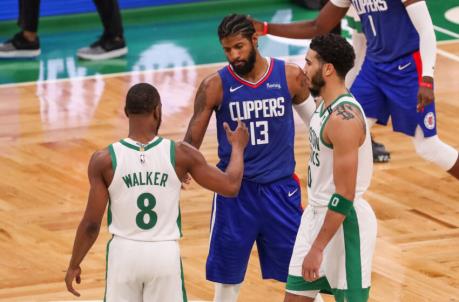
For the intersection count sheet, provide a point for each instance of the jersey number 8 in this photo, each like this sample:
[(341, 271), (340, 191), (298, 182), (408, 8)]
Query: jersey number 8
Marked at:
[(146, 202)]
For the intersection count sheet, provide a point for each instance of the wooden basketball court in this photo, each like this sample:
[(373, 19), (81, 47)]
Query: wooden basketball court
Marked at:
[(49, 130)]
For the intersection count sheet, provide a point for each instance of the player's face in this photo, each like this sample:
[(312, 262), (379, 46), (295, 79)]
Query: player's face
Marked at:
[(313, 69), (240, 52)]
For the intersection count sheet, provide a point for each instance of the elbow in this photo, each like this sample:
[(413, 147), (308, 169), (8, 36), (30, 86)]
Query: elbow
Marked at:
[(91, 228), (233, 189)]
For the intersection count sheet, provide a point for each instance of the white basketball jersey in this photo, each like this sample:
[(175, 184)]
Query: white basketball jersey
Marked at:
[(145, 191), (320, 171)]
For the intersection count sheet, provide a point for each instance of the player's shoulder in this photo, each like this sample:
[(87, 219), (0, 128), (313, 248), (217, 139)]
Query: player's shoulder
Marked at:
[(293, 69), (212, 82), (101, 159)]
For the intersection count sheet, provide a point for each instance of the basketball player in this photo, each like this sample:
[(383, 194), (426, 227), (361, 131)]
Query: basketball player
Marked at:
[(141, 176), (335, 243), (396, 78), (260, 91)]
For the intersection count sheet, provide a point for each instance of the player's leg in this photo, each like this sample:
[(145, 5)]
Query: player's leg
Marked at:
[(122, 284), (280, 203), (165, 281), (234, 227), (350, 276), (297, 289), (435, 150), (400, 81), (373, 102), (226, 292)]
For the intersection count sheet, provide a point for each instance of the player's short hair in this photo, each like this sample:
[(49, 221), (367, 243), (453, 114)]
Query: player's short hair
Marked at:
[(236, 24), (334, 49), (141, 98)]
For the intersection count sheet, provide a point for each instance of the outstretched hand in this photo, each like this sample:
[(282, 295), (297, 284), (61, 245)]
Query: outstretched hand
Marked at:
[(239, 137)]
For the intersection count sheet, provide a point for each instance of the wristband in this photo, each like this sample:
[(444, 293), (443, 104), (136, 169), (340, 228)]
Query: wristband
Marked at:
[(426, 84), (340, 204), (265, 28)]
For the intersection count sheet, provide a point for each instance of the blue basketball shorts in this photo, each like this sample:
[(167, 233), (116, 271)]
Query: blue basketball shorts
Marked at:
[(268, 214), (390, 89)]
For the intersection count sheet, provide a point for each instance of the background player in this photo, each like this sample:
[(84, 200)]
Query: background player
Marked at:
[(260, 91), (396, 78), (140, 176), (334, 247)]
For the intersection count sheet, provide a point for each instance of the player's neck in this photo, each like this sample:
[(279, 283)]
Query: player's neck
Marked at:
[(142, 132), (259, 69), (331, 91)]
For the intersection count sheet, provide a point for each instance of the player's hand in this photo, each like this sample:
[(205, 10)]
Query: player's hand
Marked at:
[(257, 24), (311, 265), (425, 95), (239, 137), (73, 274)]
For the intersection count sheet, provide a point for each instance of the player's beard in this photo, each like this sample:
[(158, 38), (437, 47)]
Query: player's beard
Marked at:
[(317, 82), (248, 64)]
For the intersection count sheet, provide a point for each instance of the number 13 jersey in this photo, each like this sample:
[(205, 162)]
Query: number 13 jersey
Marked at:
[(266, 109), (145, 190)]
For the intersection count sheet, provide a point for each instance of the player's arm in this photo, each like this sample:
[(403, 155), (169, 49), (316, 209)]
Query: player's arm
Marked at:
[(329, 16), (420, 17), (303, 102), (227, 183), (345, 130), (89, 227), (208, 97)]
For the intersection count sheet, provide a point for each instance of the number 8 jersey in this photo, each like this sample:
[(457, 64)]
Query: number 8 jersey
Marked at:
[(266, 109), (145, 191)]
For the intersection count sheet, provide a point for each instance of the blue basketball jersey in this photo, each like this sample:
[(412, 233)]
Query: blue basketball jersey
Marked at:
[(266, 109), (388, 29)]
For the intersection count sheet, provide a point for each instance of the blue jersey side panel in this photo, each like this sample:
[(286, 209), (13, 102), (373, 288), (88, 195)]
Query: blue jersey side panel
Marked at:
[(389, 31), (266, 109)]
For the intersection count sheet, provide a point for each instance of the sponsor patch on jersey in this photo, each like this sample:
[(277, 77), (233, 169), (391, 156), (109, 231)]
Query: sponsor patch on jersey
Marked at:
[(429, 121), (273, 85)]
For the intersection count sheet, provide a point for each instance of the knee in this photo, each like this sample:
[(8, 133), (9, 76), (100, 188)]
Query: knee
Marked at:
[(436, 151)]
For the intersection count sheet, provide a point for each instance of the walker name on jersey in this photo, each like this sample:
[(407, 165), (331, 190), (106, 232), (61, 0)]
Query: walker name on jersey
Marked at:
[(315, 147), (146, 179), (246, 110), (369, 6)]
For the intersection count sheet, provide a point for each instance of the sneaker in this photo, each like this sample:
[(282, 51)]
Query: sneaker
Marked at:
[(380, 154), (20, 47), (103, 49)]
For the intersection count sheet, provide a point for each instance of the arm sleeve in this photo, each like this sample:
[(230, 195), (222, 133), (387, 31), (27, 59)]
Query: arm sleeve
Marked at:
[(341, 3), (306, 109), (420, 17)]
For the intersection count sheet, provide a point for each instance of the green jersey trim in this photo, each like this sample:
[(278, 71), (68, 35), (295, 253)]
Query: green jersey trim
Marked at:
[(173, 154), (137, 148), (106, 267), (112, 156), (323, 110)]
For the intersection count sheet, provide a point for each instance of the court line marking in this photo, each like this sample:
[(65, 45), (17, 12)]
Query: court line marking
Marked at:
[(446, 31), (448, 55)]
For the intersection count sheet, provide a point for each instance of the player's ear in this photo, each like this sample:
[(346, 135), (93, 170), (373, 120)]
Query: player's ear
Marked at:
[(328, 69), (255, 40), (157, 112)]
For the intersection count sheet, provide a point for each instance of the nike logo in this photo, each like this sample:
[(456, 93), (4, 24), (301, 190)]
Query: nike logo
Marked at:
[(401, 67), (290, 194), (234, 89)]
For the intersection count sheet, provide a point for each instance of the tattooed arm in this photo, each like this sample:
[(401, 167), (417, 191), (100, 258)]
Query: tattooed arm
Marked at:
[(345, 131), (208, 97)]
